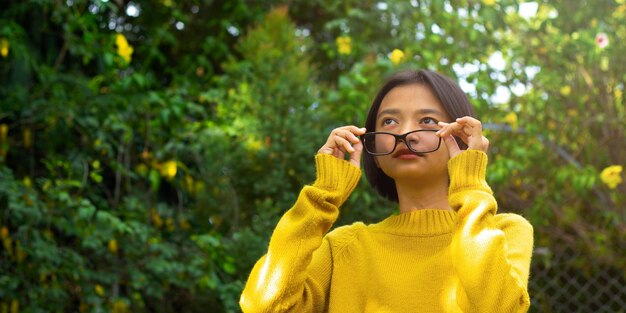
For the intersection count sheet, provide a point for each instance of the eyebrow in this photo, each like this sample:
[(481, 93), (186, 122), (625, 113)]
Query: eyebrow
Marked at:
[(420, 112)]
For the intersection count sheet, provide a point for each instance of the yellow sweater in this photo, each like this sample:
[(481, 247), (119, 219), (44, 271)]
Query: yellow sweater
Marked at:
[(465, 260)]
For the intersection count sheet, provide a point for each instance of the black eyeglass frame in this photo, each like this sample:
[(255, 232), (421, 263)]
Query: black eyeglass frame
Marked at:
[(398, 139)]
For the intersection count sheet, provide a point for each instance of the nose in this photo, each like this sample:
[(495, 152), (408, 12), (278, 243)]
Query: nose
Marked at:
[(412, 140), (403, 141), (409, 140)]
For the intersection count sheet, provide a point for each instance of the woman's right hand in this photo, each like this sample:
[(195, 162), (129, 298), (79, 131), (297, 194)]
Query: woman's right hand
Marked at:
[(344, 140)]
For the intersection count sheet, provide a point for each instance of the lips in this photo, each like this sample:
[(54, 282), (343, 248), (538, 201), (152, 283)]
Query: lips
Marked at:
[(407, 152)]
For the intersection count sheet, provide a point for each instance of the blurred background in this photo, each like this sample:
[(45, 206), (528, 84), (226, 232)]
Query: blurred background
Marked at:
[(148, 148)]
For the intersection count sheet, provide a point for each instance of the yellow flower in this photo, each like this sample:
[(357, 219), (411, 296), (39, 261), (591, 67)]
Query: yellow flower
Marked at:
[(168, 169), (566, 90), (4, 233), (396, 56), (4, 47), (511, 118), (344, 45), (113, 246), (121, 41), (611, 176), (123, 48), (489, 2), (126, 53), (99, 290), (27, 182)]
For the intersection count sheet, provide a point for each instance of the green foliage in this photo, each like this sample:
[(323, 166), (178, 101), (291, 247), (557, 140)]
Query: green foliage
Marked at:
[(151, 181)]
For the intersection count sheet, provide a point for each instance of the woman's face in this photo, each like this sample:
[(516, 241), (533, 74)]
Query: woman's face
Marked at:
[(407, 108)]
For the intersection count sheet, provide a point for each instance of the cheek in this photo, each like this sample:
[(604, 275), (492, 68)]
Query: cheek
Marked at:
[(443, 148), (385, 143), (383, 163), (442, 154)]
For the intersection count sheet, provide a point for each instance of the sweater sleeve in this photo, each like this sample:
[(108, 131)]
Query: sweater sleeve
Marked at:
[(294, 275), (491, 254)]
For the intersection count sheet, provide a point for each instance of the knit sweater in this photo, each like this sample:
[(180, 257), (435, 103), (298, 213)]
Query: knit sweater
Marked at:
[(465, 260)]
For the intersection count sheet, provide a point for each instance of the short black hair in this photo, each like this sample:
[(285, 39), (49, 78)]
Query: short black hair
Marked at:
[(449, 94)]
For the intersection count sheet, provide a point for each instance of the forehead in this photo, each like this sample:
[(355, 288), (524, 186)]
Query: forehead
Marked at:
[(411, 97)]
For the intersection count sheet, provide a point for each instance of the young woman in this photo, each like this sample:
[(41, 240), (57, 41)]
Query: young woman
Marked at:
[(446, 251)]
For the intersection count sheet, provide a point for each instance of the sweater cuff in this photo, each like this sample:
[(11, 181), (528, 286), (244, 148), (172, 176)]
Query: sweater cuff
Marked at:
[(467, 172), (334, 174)]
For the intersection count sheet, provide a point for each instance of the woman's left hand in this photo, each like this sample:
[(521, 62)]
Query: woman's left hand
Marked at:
[(469, 129)]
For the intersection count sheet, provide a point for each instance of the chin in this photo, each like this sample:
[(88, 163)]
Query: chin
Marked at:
[(413, 171)]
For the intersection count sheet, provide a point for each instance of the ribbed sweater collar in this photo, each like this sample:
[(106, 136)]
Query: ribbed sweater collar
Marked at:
[(419, 223)]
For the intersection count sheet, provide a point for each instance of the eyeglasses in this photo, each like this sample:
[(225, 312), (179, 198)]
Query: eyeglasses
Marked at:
[(384, 143)]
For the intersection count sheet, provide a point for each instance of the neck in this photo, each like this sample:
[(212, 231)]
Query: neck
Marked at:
[(412, 196)]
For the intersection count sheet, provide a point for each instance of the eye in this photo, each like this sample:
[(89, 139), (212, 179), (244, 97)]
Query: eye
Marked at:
[(388, 121), (428, 120)]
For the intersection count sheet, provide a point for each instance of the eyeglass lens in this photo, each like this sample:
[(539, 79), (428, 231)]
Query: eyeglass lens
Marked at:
[(420, 141)]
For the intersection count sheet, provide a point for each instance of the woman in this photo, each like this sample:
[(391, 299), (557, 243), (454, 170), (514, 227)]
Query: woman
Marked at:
[(446, 251)]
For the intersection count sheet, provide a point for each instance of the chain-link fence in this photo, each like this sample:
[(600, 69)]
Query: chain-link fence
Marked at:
[(568, 282)]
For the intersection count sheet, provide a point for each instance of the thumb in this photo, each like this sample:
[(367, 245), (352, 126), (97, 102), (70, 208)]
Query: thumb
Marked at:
[(453, 146), (355, 157)]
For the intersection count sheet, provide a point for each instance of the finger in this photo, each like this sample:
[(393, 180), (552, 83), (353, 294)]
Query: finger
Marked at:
[(352, 129), (450, 128), (338, 153), (337, 149), (469, 120), (475, 125), (343, 144), (485, 146), (355, 157), (348, 135), (349, 132), (333, 146), (475, 139), (328, 147), (466, 125), (461, 133), (452, 145)]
